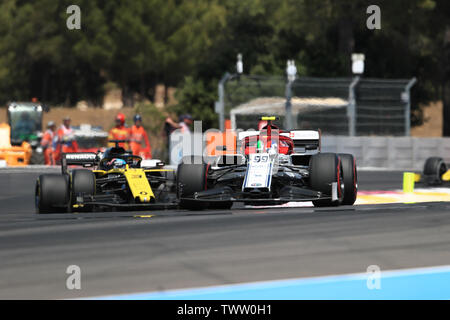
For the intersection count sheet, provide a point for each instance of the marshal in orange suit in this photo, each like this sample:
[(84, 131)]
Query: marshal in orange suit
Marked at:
[(119, 132), (140, 145)]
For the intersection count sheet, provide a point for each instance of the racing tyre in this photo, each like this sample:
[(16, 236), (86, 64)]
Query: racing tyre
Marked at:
[(171, 179), (37, 157), (191, 178), (433, 170), (350, 178), (220, 205), (324, 169), (82, 182), (51, 193)]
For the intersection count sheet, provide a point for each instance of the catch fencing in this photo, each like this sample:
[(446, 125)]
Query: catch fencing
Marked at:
[(338, 106)]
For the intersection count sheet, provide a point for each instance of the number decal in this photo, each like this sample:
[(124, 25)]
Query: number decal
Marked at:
[(261, 159)]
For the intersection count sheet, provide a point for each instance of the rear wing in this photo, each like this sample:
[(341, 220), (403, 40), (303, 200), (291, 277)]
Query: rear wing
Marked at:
[(85, 159), (305, 141)]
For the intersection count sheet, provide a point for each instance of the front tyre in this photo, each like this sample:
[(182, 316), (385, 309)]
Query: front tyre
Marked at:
[(324, 169), (51, 193), (433, 170), (350, 178), (192, 176), (220, 205)]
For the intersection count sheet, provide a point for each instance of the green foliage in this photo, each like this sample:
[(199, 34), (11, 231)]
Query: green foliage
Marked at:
[(197, 99), (190, 44)]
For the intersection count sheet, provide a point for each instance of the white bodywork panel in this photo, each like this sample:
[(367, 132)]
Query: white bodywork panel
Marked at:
[(259, 171), (302, 135), (294, 134), (150, 163), (245, 134)]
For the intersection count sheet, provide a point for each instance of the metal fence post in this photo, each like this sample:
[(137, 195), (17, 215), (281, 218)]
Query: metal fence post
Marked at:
[(407, 99), (351, 110), (288, 116), (220, 105)]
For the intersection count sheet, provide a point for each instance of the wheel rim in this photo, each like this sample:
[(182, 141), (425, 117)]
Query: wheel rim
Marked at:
[(37, 196), (341, 185), (441, 171)]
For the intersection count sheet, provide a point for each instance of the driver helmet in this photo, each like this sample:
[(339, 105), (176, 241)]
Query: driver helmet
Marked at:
[(120, 119), (118, 163), (273, 146)]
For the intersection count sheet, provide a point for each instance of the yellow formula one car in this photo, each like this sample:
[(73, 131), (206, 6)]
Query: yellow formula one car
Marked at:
[(116, 179), (435, 172)]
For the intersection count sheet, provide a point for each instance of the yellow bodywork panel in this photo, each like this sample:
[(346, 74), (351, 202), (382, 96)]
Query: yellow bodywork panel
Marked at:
[(137, 181), (139, 186), (417, 177), (446, 176)]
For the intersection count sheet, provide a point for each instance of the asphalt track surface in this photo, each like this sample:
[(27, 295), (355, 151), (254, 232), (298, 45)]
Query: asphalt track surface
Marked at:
[(120, 253)]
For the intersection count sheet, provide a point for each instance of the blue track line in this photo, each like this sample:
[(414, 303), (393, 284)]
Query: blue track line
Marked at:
[(423, 283)]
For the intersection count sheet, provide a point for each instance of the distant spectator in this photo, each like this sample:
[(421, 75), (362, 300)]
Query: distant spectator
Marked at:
[(47, 143), (66, 137), (185, 122), (169, 127), (119, 132), (140, 145)]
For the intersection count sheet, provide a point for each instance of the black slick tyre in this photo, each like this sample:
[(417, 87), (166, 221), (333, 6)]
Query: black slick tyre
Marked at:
[(350, 178), (324, 169), (51, 193)]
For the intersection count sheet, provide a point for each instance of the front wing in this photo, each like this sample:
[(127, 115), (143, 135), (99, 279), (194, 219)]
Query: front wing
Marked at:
[(291, 194), (142, 195)]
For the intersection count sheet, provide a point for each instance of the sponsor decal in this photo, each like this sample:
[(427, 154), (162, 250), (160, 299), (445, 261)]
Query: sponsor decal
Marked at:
[(85, 156)]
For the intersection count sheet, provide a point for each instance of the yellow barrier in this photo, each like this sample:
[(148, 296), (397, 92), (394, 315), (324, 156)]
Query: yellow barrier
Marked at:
[(408, 182), (408, 186)]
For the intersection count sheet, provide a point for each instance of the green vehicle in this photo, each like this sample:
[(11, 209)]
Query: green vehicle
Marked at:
[(25, 121)]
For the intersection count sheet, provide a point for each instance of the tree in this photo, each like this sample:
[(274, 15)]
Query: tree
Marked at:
[(196, 98)]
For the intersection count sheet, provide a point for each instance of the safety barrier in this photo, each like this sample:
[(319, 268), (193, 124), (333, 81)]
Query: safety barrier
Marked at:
[(397, 153), (402, 153)]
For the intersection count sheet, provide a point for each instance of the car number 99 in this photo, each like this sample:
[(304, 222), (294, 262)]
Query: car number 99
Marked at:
[(260, 158)]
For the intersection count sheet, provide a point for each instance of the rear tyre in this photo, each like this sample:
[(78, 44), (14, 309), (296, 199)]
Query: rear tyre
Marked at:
[(51, 193), (191, 178), (37, 157), (82, 182), (222, 205), (433, 170), (350, 178), (324, 169)]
